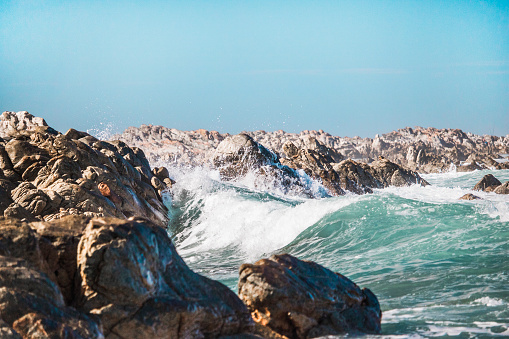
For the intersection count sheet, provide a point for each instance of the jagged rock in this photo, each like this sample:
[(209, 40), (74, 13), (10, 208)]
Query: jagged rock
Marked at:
[(58, 175), (301, 299), (488, 182), (470, 196), (502, 189), (32, 305), (133, 279), (236, 155), (58, 242), (391, 174), (315, 165), (356, 177)]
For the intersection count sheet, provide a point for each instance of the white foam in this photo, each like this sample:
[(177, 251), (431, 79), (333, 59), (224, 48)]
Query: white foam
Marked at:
[(487, 301)]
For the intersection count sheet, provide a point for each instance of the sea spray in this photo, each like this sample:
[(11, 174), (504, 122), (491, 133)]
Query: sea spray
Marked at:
[(437, 264)]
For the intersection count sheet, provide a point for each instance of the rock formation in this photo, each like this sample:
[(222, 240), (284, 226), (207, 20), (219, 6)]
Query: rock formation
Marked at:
[(78, 277), (301, 299), (425, 150), (45, 175), (491, 184)]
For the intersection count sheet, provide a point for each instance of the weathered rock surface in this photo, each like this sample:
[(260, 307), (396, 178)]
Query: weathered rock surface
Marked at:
[(134, 280), (420, 149), (45, 175), (487, 183), (470, 196), (81, 277), (491, 184), (32, 305), (301, 299)]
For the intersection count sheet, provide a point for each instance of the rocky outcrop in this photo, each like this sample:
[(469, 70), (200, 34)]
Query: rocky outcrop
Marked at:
[(487, 183), (491, 184), (469, 196), (301, 299), (78, 277), (134, 280), (45, 175), (239, 155), (420, 149)]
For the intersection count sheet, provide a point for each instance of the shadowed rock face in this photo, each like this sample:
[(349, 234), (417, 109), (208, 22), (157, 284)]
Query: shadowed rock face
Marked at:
[(45, 175), (301, 299), (120, 278), (134, 280), (491, 184)]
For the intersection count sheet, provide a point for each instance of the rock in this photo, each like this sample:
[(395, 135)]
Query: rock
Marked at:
[(315, 165), (49, 175), (301, 299), (488, 181), (502, 189), (391, 174), (31, 304), (470, 196), (235, 156), (135, 282), (58, 242)]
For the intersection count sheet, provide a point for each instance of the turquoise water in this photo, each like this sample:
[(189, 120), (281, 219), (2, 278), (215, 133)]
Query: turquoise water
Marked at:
[(438, 265)]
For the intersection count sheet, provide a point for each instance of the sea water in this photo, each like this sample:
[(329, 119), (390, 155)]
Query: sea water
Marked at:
[(438, 265)]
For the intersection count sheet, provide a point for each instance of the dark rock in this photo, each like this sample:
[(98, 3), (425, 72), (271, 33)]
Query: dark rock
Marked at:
[(134, 280), (502, 189), (488, 181), (301, 299), (32, 305), (470, 196)]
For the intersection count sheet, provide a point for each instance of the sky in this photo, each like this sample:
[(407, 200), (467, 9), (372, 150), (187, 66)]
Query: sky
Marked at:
[(346, 67)]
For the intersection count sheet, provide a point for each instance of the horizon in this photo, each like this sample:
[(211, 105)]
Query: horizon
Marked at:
[(352, 68)]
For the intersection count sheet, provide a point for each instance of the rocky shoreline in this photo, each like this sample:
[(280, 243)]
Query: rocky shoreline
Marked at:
[(85, 252), (425, 150)]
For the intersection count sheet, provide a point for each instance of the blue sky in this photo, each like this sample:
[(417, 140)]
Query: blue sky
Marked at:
[(347, 67)]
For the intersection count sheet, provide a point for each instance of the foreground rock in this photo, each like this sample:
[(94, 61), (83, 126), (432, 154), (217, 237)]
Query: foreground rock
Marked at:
[(45, 175), (124, 279), (301, 299), (491, 184)]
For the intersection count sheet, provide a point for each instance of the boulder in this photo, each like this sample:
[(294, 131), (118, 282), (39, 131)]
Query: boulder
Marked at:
[(470, 196), (236, 155), (488, 182), (32, 305), (301, 299), (316, 165), (136, 283), (502, 189)]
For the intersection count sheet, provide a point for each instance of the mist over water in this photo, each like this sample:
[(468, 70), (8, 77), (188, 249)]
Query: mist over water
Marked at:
[(437, 264)]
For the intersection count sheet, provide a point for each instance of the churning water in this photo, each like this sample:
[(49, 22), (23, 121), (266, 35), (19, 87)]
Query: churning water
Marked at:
[(439, 265)]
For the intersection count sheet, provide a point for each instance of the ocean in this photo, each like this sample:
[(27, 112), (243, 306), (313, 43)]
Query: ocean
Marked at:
[(438, 265)]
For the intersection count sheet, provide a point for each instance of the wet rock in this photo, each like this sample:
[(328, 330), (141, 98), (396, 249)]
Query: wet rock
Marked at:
[(301, 299), (238, 154), (315, 165), (133, 279), (488, 182), (470, 196), (502, 189)]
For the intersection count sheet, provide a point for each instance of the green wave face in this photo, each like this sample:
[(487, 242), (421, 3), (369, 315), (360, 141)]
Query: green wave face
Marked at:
[(439, 265)]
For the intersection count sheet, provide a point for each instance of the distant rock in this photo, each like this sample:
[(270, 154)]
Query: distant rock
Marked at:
[(487, 183), (301, 299), (470, 196)]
